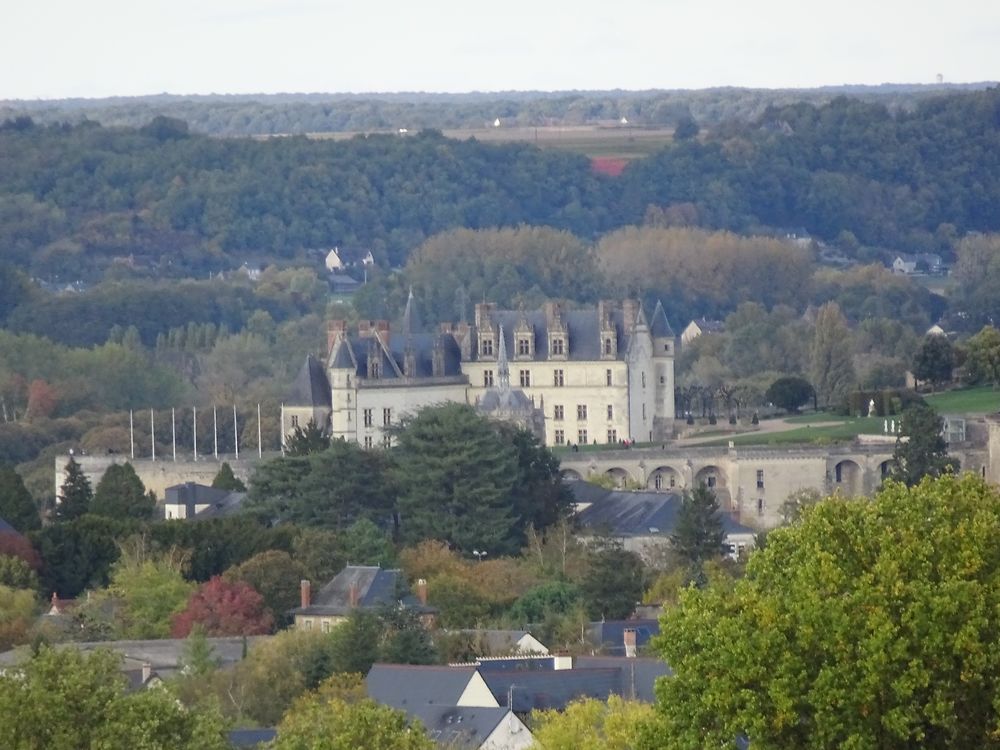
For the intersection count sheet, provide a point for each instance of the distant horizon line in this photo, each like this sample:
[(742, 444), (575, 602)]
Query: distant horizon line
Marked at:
[(502, 92)]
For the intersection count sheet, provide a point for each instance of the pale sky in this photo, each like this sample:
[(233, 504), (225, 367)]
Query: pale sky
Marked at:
[(93, 48)]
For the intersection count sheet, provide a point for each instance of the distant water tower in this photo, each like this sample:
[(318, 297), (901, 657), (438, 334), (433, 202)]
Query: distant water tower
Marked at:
[(940, 78)]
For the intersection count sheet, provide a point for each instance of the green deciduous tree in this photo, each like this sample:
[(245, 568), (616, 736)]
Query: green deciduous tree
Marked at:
[(17, 574), (869, 624), (121, 494), (75, 494), (920, 448), (16, 506), (591, 724), (67, 699), (832, 369), (982, 363), (321, 723), (934, 360), (150, 588), (789, 393), (275, 576)]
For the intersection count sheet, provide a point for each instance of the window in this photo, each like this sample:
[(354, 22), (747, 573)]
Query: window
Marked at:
[(368, 441), (710, 481), (581, 437), (644, 411), (368, 417), (487, 378), (558, 347), (658, 481), (308, 624), (557, 378), (386, 441), (673, 481), (523, 346), (325, 625), (839, 473), (387, 417), (581, 411), (348, 398), (487, 347), (760, 506), (295, 421), (643, 378), (525, 378), (613, 437), (607, 375), (663, 380), (348, 416), (607, 346), (760, 479), (560, 437), (557, 412), (611, 412), (376, 370)]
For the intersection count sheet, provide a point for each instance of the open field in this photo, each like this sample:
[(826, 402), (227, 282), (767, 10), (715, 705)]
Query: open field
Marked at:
[(981, 400), (823, 432), (618, 141)]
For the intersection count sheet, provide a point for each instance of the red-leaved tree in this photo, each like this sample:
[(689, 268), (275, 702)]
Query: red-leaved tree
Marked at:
[(15, 545), (42, 399), (223, 608)]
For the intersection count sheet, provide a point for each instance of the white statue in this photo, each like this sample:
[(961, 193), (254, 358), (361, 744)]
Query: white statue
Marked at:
[(871, 408)]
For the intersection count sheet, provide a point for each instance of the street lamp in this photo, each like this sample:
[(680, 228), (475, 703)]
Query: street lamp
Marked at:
[(479, 554)]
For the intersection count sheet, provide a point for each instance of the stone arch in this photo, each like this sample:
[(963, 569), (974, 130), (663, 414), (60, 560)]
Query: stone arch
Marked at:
[(848, 477), (885, 469), (571, 475), (711, 476), (665, 479), (619, 475)]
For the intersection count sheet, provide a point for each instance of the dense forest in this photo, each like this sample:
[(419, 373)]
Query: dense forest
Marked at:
[(299, 114), (76, 200)]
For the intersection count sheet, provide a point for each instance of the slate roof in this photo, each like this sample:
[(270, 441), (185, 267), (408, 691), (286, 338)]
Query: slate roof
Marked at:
[(609, 635), (660, 328), (354, 356), (375, 588), (413, 687), (496, 641), (459, 727), (516, 663), (191, 494), (638, 674), (624, 513), (251, 737), (544, 689), (6, 527), (311, 387), (709, 326), (583, 332)]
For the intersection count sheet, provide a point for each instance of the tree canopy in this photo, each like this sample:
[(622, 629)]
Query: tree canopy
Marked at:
[(867, 624)]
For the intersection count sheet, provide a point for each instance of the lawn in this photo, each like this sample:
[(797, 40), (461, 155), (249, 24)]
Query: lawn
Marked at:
[(981, 400), (847, 429)]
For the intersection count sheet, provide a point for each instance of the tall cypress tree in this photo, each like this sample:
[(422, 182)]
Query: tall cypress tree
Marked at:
[(75, 493), (16, 506), (226, 480), (121, 494), (698, 533)]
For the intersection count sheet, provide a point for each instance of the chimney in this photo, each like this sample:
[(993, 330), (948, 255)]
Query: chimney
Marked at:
[(353, 595), (364, 328), (630, 311), (147, 672), (382, 328), (305, 593), (629, 639), (553, 312), (422, 590), (483, 312)]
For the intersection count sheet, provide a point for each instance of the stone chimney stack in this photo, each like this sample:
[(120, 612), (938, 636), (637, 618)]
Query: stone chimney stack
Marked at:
[(305, 593), (630, 640), (630, 311), (147, 672), (382, 328), (353, 595), (422, 590), (483, 312), (335, 329)]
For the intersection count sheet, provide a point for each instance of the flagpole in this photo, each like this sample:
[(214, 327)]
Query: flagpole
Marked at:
[(152, 433), (131, 433), (194, 418), (260, 446), (173, 431), (236, 433), (215, 431)]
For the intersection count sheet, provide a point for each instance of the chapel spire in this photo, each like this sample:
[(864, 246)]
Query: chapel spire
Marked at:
[(503, 366)]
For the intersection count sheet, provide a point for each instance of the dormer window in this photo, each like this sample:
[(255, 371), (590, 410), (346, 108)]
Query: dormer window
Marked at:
[(376, 370), (608, 346), (486, 347), (524, 346), (558, 346)]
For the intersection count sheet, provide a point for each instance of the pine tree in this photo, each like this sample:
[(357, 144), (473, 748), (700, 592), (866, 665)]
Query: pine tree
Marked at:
[(924, 452), (120, 494), (698, 534), (16, 506), (75, 494), (304, 441), (226, 480)]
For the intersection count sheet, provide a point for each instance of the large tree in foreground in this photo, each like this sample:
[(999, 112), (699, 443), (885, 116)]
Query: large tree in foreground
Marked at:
[(868, 625)]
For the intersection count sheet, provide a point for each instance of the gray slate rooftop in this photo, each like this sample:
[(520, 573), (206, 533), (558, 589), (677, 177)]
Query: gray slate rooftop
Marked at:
[(413, 687), (374, 588), (459, 728), (311, 387)]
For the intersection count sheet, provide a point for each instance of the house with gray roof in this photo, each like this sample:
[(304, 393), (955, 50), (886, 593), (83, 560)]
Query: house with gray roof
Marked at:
[(643, 520), (601, 374), (195, 501), (474, 728), (359, 587)]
